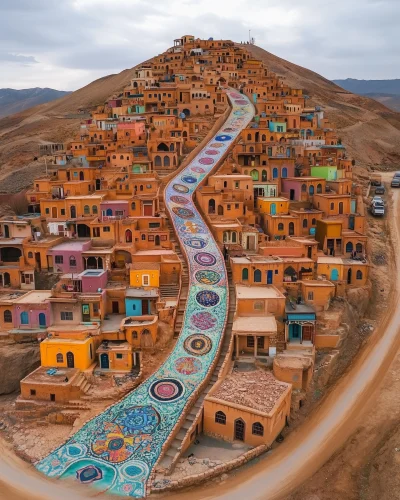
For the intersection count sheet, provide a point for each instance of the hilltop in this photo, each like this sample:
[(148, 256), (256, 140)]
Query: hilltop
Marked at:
[(12, 100), (370, 130), (385, 91)]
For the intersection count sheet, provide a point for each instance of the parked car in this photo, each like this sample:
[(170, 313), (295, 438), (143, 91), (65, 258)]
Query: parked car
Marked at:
[(377, 207), (395, 182), (380, 189), (377, 199), (397, 174)]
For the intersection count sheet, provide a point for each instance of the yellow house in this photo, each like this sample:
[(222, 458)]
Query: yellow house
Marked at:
[(68, 353), (330, 267), (273, 206), (329, 236), (144, 274)]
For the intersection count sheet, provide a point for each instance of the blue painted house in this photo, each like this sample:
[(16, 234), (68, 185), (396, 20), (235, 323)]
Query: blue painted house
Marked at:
[(300, 323), (141, 301)]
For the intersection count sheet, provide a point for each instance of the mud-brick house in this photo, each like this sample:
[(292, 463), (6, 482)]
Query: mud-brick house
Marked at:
[(251, 407), (300, 321), (32, 313), (7, 300), (303, 188), (67, 257)]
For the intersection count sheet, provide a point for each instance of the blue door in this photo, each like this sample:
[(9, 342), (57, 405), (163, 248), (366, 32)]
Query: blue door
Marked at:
[(109, 212), (294, 331), (334, 275), (42, 320), (24, 318), (273, 209), (269, 277), (104, 361)]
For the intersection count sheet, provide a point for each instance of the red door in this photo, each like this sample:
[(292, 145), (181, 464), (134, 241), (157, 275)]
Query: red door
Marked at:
[(148, 209)]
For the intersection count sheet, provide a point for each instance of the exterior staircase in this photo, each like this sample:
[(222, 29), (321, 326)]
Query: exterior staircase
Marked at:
[(173, 453), (82, 384), (168, 292)]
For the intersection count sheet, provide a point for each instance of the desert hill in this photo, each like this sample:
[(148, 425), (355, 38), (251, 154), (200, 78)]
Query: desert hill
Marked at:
[(370, 130), (12, 100)]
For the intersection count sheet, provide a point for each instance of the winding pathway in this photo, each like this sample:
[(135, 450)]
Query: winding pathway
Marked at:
[(117, 450)]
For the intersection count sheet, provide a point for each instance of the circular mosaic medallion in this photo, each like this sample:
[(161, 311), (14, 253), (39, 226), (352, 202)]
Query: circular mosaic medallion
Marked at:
[(212, 152), (137, 420), (180, 200), (205, 259), (198, 170), (180, 189), (89, 474), (187, 365), (203, 320), (197, 243), (206, 161), (116, 444), (223, 137), (189, 179), (197, 344), (242, 102), (229, 129), (135, 469), (166, 390), (183, 213), (217, 145), (75, 450), (191, 228), (207, 277), (207, 298), (239, 112)]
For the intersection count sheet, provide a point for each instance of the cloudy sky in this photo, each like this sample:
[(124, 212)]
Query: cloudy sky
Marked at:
[(65, 44)]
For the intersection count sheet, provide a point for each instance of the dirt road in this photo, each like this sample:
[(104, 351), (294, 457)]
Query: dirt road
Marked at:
[(306, 449)]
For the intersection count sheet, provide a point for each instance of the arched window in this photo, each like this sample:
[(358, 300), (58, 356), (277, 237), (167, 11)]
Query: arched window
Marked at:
[(257, 429), (263, 138), (254, 175), (257, 276), (313, 222), (249, 137), (305, 223), (60, 358), (157, 161), (341, 207), (359, 275), (280, 226), (274, 173), (349, 247), (319, 188), (94, 209), (141, 187), (86, 210), (7, 316), (284, 172), (332, 206), (311, 190), (72, 261), (220, 418), (264, 176), (245, 274), (30, 255), (133, 205), (167, 161), (303, 188), (121, 157), (359, 248)]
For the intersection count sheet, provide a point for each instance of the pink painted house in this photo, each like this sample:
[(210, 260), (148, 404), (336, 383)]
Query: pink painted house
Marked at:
[(93, 280), (32, 311), (67, 257)]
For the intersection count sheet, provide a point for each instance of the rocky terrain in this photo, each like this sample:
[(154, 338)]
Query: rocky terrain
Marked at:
[(16, 361)]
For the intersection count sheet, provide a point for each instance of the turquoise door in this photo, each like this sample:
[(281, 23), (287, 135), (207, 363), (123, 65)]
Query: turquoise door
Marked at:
[(24, 318), (273, 209), (334, 275), (42, 320), (269, 277), (294, 331), (104, 361)]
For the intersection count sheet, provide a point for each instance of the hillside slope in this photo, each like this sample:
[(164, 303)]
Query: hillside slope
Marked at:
[(367, 87), (12, 100), (369, 129)]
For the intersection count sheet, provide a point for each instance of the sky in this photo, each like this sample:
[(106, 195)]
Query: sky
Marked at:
[(66, 44)]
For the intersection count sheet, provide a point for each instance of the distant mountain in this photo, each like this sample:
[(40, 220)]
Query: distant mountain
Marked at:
[(385, 91), (13, 101)]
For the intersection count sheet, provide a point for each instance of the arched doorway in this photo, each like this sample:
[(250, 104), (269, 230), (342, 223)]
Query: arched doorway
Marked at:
[(211, 206), (70, 359), (6, 231), (291, 228), (334, 275), (42, 320), (128, 236), (239, 429), (73, 212), (220, 210), (24, 318), (81, 176), (109, 212), (157, 240), (104, 361), (186, 112)]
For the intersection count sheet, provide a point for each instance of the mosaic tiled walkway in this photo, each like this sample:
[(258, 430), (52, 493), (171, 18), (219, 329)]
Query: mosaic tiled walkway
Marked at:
[(117, 450)]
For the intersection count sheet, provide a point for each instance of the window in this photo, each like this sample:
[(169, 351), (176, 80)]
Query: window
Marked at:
[(153, 225), (33, 392), (275, 173), (96, 232), (259, 306), (94, 209), (47, 211), (119, 212), (72, 261), (67, 315), (304, 188), (280, 226), (349, 247), (134, 334), (257, 429), (59, 259), (305, 223), (310, 295), (359, 248), (60, 358), (236, 205), (245, 274), (332, 206), (228, 207), (30, 255), (86, 210), (257, 276), (220, 418), (7, 316), (145, 280), (260, 342), (143, 237), (106, 229), (359, 275), (133, 205), (250, 341), (63, 211), (313, 222), (119, 356)]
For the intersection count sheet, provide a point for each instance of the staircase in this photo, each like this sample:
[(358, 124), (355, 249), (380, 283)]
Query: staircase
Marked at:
[(82, 384), (169, 292), (185, 284), (173, 453)]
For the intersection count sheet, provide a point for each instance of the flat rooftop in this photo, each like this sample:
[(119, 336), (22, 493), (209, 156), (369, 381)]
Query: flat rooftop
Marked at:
[(258, 292), (40, 376), (255, 259), (255, 325), (330, 260), (272, 199), (34, 297), (71, 246), (257, 389), (142, 292)]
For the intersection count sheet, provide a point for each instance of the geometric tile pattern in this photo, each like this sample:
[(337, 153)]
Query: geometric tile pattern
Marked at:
[(117, 450)]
